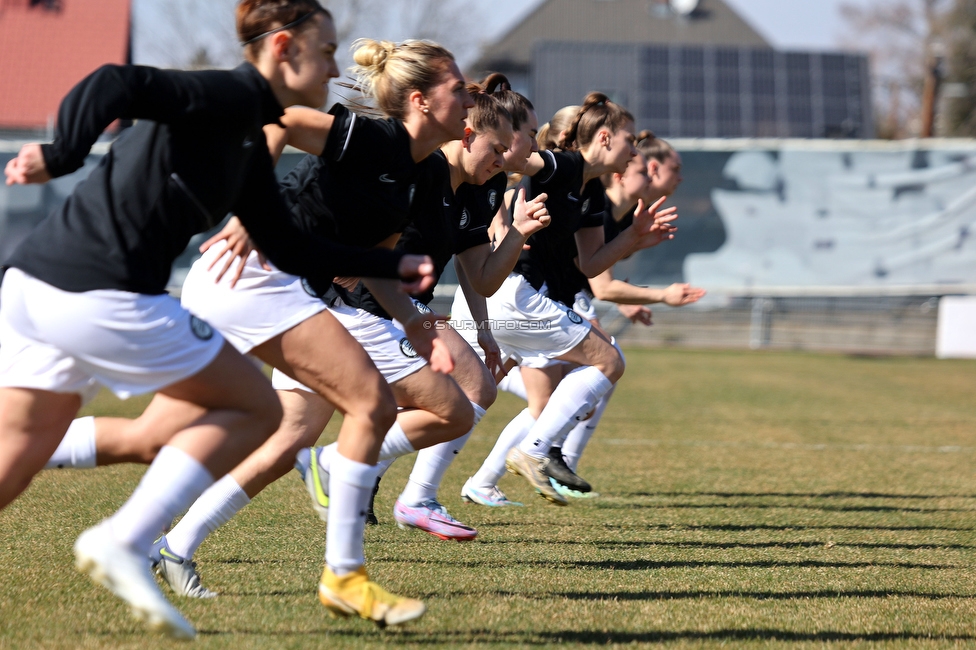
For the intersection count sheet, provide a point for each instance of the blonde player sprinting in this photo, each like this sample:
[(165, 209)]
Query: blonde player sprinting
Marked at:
[(454, 220)]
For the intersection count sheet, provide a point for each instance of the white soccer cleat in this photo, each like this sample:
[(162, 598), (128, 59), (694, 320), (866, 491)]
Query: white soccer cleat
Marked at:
[(126, 574), (179, 573)]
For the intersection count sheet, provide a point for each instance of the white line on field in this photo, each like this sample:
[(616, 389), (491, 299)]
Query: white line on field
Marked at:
[(922, 449)]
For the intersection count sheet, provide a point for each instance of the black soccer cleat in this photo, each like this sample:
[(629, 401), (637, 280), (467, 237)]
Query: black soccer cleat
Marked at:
[(559, 471)]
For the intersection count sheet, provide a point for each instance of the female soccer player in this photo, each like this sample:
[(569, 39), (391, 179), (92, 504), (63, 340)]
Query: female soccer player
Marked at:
[(196, 153), (603, 134), (623, 193), (361, 166), (471, 191)]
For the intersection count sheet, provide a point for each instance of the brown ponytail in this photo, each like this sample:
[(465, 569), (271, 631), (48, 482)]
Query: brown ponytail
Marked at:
[(259, 18), (498, 86), (596, 112), (488, 113), (652, 146)]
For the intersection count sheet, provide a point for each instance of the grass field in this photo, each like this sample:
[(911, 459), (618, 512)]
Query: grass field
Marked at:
[(749, 499)]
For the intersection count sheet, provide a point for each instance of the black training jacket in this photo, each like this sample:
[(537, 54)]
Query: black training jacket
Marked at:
[(197, 152)]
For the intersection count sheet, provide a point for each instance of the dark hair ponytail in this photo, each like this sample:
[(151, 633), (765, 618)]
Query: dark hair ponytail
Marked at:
[(488, 113), (652, 146), (596, 112), (497, 85)]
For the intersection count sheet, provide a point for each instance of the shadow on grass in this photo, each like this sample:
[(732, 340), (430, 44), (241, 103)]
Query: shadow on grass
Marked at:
[(646, 565), (791, 527), (800, 495), (605, 596), (727, 545), (772, 506), (756, 595), (485, 636)]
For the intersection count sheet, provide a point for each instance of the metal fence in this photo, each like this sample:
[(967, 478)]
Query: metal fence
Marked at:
[(870, 325), (722, 244)]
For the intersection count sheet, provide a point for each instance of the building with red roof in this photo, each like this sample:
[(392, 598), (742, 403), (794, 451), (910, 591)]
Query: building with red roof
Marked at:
[(47, 46)]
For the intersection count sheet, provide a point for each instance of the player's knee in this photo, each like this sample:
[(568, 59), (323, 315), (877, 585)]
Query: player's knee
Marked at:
[(266, 413), (483, 392), (461, 418), (612, 365), (146, 453), (377, 404)]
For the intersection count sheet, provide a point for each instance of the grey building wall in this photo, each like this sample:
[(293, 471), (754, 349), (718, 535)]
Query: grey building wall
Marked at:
[(711, 91)]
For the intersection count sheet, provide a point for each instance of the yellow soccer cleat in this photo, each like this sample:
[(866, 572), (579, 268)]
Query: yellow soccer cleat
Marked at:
[(354, 595)]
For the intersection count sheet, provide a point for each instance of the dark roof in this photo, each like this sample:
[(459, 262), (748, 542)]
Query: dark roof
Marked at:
[(47, 46), (617, 21)]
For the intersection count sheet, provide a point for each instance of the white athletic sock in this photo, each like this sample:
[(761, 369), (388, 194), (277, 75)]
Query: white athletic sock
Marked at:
[(395, 443), (574, 397), (77, 448), (384, 465), (514, 384), (578, 438), (213, 509), (493, 468), (326, 456), (170, 485), (350, 486), (428, 470)]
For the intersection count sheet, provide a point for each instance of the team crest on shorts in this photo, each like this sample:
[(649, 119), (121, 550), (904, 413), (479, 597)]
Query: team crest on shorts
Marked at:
[(406, 347), (586, 206), (200, 328), (573, 316), (465, 219)]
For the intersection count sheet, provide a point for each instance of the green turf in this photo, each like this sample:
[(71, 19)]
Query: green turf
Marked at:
[(753, 499)]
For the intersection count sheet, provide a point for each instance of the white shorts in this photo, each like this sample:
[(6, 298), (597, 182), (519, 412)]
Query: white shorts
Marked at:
[(384, 341), (67, 342), (525, 322), (263, 305)]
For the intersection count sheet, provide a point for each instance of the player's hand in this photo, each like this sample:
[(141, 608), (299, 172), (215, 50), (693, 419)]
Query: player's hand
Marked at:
[(530, 216), (636, 313), (28, 167), (238, 243), (653, 225), (349, 284), (493, 355), (421, 331), (680, 294), (416, 273)]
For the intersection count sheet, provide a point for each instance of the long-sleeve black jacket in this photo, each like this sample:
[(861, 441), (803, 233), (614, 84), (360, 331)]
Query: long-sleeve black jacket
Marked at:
[(197, 152)]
